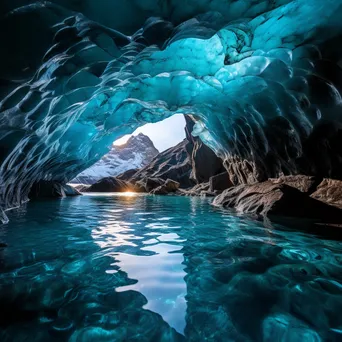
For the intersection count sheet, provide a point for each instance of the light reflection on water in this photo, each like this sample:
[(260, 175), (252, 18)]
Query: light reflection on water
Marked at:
[(130, 267)]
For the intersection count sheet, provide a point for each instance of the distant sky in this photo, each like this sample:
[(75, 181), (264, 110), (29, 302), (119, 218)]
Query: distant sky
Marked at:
[(164, 134)]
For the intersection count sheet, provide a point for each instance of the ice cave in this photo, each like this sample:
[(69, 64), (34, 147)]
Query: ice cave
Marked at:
[(261, 79), (259, 83)]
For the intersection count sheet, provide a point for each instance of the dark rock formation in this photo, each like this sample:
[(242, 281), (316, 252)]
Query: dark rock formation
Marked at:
[(287, 196), (169, 186), (81, 187), (330, 192), (148, 184), (204, 161), (174, 163), (188, 163), (110, 184), (127, 175), (306, 184), (220, 182), (49, 189)]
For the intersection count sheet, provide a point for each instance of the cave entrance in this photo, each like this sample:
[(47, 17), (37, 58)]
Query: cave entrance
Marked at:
[(135, 151)]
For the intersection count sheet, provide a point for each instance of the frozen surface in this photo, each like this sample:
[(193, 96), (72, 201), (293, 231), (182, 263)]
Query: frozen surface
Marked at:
[(258, 76)]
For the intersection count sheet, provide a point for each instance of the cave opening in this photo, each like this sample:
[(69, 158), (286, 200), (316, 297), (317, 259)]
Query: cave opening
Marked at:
[(231, 230), (135, 151)]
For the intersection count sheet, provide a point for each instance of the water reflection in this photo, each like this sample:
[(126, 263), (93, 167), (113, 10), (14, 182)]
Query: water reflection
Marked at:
[(155, 263), (144, 268)]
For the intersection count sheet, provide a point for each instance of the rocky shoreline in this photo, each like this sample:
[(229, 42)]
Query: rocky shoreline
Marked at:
[(296, 196)]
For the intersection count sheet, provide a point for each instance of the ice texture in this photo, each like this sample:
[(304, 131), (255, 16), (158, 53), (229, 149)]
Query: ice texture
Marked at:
[(261, 79)]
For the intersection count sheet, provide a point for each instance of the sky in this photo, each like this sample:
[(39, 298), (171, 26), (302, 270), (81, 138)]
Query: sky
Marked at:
[(164, 134)]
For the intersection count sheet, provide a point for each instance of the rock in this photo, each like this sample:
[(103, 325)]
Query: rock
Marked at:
[(127, 175), (330, 192), (169, 186), (204, 162), (81, 187), (197, 190), (110, 184), (161, 190), (148, 184), (267, 198), (174, 163), (71, 191), (48, 189), (220, 182), (303, 183)]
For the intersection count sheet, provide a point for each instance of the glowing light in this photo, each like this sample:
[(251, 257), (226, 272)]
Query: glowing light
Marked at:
[(130, 193), (123, 140)]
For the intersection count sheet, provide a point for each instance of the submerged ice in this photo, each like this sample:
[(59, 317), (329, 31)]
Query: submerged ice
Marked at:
[(262, 80)]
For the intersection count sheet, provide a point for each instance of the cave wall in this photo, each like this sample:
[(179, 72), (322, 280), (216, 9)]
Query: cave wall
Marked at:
[(262, 80)]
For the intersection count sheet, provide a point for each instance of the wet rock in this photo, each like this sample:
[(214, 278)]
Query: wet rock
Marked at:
[(220, 182), (197, 190), (169, 186), (48, 189), (148, 184), (110, 184), (269, 198), (301, 182), (330, 192)]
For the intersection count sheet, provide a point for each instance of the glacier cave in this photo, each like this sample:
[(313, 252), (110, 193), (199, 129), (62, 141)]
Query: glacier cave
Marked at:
[(233, 234), (261, 79)]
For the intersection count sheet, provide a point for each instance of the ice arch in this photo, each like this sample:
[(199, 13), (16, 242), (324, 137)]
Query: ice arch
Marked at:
[(262, 79)]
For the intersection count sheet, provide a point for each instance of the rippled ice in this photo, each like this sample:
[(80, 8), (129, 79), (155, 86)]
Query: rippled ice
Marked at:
[(144, 268)]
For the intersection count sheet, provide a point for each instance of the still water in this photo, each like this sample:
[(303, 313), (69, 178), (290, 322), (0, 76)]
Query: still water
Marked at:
[(125, 267)]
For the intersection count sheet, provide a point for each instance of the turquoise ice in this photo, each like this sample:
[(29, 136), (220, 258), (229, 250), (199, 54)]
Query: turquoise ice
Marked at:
[(253, 74)]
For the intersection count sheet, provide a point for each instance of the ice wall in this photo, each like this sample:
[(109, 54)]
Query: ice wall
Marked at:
[(262, 79)]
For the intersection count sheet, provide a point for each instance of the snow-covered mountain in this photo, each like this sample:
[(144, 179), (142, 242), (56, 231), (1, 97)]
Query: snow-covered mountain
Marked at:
[(136, 153)]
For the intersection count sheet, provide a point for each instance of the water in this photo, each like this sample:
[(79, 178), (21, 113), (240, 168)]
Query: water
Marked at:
[(144, 268)]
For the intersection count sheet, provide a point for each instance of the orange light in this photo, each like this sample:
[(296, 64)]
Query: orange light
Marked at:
[(129, 193)]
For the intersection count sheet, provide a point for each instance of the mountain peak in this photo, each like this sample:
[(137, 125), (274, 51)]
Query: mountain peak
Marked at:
[(136, 153)]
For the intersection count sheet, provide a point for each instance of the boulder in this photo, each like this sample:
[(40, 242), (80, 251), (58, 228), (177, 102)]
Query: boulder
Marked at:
[(161, 190), (303, 183), (220, 182), (268, 198), (197, 190), (150, 183), (110, 184), (169, 186), (330, 192)]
